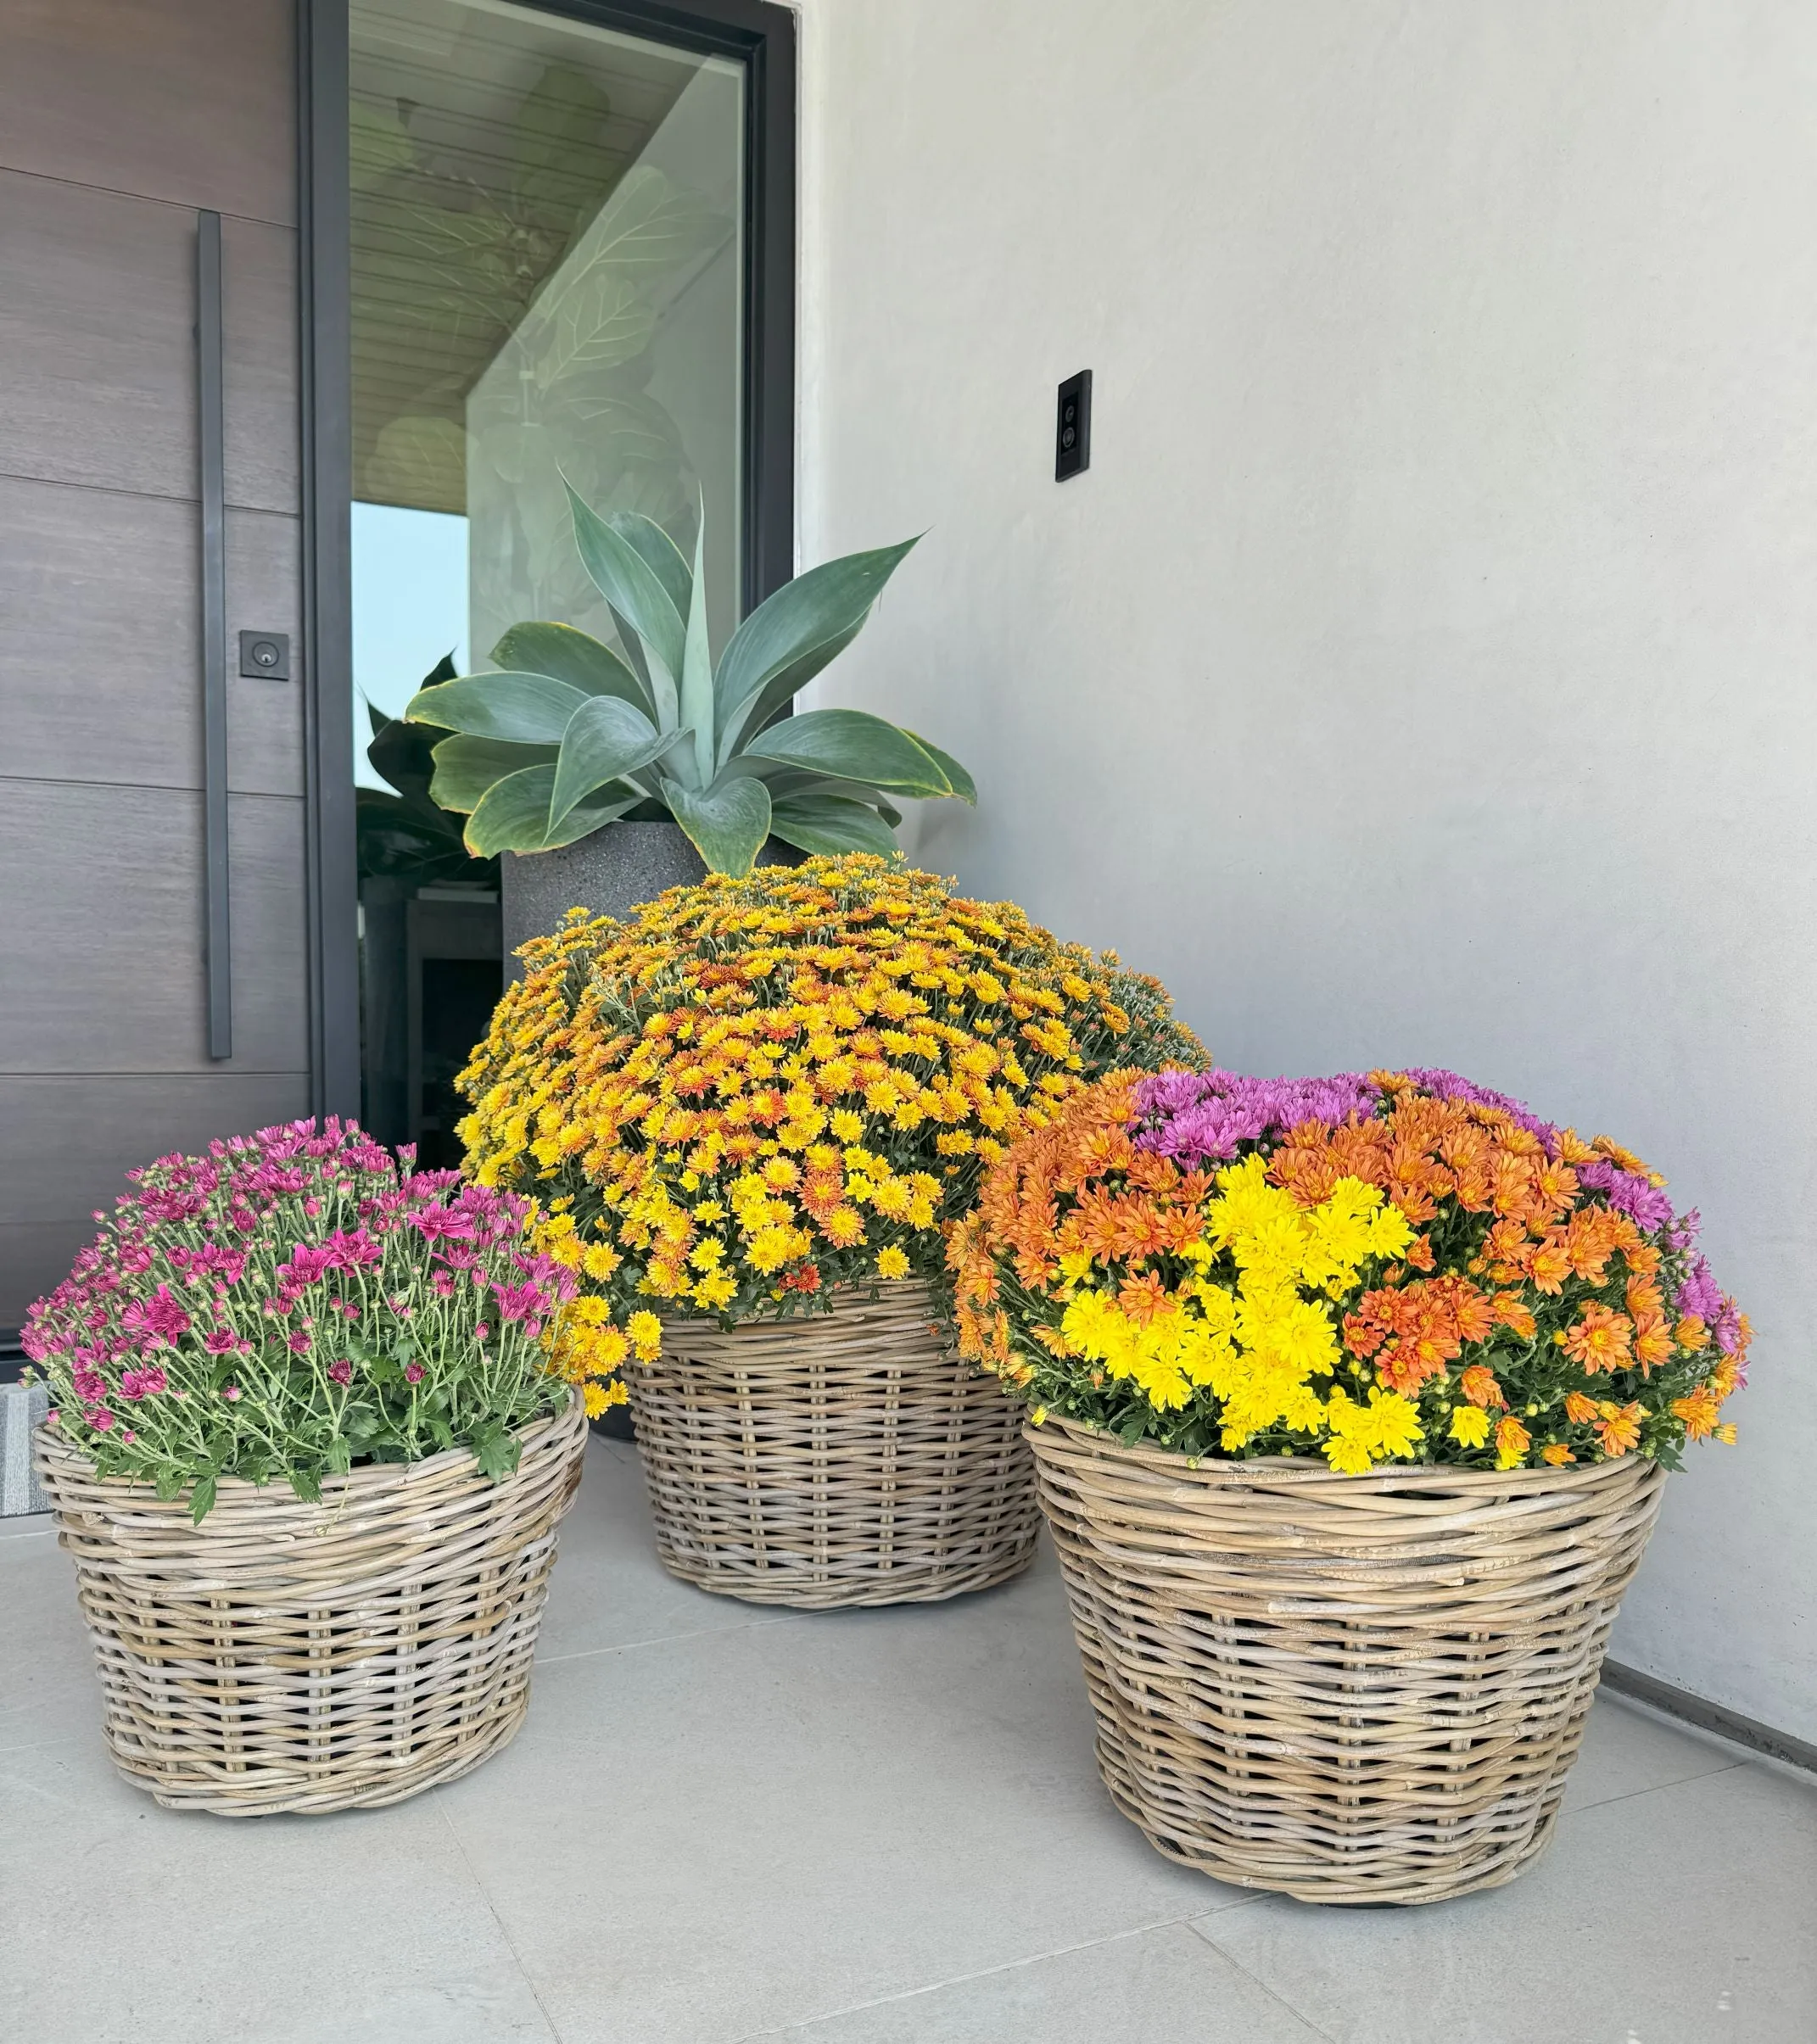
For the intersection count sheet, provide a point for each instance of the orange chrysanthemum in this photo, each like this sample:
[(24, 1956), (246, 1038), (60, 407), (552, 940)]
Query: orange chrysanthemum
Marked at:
[(1617, 1428), (1600, 1340), (1478, 1384)]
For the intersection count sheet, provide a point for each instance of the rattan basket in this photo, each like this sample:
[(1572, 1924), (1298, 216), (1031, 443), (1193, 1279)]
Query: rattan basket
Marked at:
[(846, 1459), (1352, 1688), (284, 1655)]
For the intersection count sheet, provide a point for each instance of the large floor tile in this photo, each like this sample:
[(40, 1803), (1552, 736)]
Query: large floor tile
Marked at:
[(47, 1684), (746, 1830), (1155, 1986), (609, 1589), (1684, 1915), (1626, 1753), (127, 1924)]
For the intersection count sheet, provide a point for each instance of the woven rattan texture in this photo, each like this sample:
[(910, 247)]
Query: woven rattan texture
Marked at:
[(846, 1459), (284, 1655), (1350, 1689)]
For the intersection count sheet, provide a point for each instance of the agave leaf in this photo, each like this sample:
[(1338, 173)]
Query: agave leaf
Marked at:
[(814, 822), (726, 825), (782, 780), (853, 745), (604, 739), (587, 817), (630, 586), (785, 631), (696, 664), (527, 709), (785, 684), (961, 783), (513, 815), (573, 657), (659, 554), (465, 768), (849, 791), (633, 648)]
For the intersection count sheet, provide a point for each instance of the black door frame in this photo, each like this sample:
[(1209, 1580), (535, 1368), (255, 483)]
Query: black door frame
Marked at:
[(763, 38)]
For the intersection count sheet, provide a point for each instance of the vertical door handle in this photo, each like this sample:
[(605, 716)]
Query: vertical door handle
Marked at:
[(217, 961)]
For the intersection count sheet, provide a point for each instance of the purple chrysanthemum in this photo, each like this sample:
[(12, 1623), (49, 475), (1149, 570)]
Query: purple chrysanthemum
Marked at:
[(1627, 1191), (1202, 1117)]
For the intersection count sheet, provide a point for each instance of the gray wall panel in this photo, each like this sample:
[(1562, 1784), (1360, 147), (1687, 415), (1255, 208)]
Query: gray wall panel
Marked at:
[(34, 1255), (186, 100), (67, 1143), (100, 652), (97, 331), (100, 931)]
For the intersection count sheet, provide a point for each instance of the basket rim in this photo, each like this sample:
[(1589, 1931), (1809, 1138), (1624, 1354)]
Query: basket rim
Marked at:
[(856, 1298), (56, 1456), (1304, 1472)]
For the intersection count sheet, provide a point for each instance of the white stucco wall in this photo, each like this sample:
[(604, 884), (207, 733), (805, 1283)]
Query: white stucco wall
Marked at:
[(1422, 672)]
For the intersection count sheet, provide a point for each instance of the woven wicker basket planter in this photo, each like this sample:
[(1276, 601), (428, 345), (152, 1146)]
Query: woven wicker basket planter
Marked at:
[(284, 1656), (851, 1459), (1349, 1689)]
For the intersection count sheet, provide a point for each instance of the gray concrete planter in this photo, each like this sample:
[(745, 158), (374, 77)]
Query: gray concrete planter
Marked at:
[(608, 874), (22, 1408)]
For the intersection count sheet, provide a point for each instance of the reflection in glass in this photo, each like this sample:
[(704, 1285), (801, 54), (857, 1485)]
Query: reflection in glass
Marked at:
[(546, 289)]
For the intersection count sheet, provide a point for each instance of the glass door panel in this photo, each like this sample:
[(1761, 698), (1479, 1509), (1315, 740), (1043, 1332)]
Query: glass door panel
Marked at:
[(547, 286)]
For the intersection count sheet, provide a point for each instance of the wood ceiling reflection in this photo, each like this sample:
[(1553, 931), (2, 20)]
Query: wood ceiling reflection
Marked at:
[(484, 138)]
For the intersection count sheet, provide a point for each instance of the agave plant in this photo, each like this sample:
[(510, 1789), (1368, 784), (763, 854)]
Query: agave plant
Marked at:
[(568, 736)]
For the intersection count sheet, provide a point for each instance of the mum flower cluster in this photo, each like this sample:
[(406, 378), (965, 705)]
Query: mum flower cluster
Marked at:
[(294, 1302), (1389, 1267), (765, 1088)]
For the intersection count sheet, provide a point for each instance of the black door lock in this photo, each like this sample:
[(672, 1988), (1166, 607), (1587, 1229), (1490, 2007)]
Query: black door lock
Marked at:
[(265, 656)]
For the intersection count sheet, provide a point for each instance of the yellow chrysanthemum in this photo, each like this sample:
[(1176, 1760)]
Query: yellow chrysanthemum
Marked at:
[(680, 1080), (1469, 1426)]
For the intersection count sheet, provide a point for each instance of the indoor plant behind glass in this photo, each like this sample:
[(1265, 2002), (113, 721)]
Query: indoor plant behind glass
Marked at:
[(308, 1456), (604, 777), (1352, 1402)]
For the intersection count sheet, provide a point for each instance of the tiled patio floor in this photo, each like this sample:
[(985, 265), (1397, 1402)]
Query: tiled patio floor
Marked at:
[(875, 1828)]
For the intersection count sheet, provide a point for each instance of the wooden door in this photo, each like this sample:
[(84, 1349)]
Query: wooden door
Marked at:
[(119, 120)]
